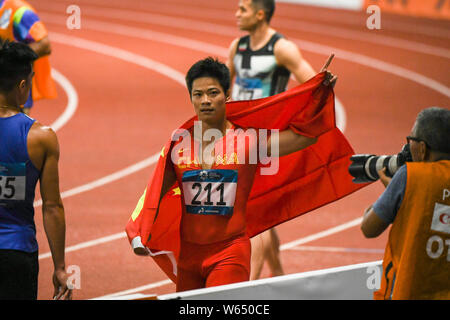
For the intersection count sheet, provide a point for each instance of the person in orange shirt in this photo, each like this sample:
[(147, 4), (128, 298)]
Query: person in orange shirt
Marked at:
[(19, 22), (416, 201)]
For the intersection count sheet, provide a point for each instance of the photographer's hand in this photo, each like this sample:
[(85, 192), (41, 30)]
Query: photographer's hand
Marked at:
[(383, 177)]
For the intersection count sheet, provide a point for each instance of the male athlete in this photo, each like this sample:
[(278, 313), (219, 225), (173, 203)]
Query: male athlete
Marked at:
[(261, 63), (215, 185), (20, 22), (29, 153)]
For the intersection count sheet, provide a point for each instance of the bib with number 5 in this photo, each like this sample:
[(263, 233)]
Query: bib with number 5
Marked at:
[(12, 181), (210, 191)]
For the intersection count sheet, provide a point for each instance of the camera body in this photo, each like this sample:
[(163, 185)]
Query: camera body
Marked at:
[(365, 167)]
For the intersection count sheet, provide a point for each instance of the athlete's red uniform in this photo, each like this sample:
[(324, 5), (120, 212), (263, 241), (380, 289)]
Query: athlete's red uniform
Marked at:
[(215, 249)]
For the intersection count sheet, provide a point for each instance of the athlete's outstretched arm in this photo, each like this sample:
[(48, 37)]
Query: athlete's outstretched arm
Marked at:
[(230, 62), (288, 55), (289, 142)]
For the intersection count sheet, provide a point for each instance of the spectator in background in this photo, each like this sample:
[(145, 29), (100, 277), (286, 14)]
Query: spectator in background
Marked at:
[(19, 22)]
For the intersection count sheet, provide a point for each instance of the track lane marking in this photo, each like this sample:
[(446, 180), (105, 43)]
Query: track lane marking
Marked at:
[(290, 24), (72, 100), (305, 45), (223, 14)]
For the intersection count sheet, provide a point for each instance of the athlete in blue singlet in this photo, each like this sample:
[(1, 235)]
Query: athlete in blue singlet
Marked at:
[(29, 153), (261, 63)]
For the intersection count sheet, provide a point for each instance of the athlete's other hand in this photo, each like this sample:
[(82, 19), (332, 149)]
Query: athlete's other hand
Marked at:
[(330, 79), (62, 291)]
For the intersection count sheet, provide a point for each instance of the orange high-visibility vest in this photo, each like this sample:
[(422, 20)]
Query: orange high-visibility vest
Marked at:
[(416, 264), (43, 84)]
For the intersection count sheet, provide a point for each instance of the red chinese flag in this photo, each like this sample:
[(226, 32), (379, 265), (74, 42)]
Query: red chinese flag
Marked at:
[(306, 180)]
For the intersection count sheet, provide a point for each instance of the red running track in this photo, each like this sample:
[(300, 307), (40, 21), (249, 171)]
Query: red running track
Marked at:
[(127, 64)]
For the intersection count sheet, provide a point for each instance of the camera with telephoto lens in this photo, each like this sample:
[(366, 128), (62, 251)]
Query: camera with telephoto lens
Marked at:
[(365, 167)]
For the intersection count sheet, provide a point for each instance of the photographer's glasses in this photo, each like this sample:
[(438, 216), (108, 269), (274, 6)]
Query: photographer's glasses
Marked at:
[(409, 139)]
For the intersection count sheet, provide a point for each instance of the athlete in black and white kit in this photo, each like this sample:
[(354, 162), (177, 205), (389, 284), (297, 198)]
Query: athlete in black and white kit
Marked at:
[(260, 64), (258, 74)]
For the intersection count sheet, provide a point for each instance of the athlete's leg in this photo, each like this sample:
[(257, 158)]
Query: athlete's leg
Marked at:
[(257, 256), (226, 274), (273, 254), (189, 280), (229, 265), (189, 276)]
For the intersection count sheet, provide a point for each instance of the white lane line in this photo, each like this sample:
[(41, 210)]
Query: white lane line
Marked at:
[(337, 249), (376, 64), (135, 290), (167, 11), (287, 23), (72, 100), (119, 54), (305, 45), (387, 41), (107, 179), (322, 234), (88, 244)]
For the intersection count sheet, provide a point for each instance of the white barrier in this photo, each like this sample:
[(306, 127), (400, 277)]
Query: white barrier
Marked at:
[(353, 282)]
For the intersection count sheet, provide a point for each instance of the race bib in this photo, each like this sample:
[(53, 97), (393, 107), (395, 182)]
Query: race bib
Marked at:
[(248, 89), (12, 181), (210, 191)]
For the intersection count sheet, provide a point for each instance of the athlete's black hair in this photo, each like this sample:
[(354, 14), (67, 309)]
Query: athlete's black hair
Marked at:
[(209, 67), (268, 6), (16, 61)]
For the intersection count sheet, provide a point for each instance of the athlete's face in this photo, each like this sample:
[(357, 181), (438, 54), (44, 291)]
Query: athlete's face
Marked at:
[(209, 100), (247, 16)]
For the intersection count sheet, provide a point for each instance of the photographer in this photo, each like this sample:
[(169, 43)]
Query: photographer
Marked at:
[(416, 201)]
